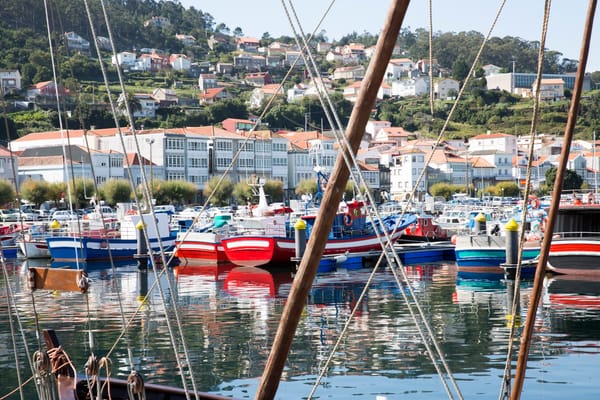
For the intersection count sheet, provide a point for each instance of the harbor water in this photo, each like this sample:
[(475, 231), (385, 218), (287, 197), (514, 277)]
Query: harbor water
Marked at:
[(230, 316)]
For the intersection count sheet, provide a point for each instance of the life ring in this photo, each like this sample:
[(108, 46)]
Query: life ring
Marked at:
[(348, 219), (534, 202)]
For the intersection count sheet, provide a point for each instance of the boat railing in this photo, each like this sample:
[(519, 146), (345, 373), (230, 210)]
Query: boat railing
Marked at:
[(577, 234)]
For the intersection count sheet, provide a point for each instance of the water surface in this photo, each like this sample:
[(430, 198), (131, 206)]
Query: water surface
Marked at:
[(228, 320)]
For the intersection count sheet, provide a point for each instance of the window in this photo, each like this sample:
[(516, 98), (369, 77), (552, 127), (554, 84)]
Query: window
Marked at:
[(175, 144), (116, 162), (223, 162), (198, 162), (279, 147), (248, 146), (223, 145), (279, 162), (196, 145), (175, 176), (245, 162), (175, 161)]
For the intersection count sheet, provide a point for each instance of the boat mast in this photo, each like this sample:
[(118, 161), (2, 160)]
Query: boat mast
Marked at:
[(558, 183), (331, 199)]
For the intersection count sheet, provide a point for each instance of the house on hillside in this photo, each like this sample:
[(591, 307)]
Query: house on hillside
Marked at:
[(550, 89), (45, 92), (258, 78), (180, 62), (77, 43), (248, 44), (212, 95), (10, 80), (187, 40), (351, 72), (259, 95)]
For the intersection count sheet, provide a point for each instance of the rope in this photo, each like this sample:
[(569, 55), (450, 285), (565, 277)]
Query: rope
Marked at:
[(350, 154), (135, 386), (505, 387), (10, 321), (106, 363)]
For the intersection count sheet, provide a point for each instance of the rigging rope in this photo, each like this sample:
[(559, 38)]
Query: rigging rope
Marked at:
[(148, 198), (343, 141), (505, 387)]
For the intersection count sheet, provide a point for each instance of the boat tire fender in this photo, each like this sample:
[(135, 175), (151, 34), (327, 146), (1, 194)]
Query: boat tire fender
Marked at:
[(348, 219)]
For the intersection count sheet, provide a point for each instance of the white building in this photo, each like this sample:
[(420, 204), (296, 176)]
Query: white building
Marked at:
[(405, 172)]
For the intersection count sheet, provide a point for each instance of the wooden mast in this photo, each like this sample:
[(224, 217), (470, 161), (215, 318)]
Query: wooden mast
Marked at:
[(329, 205), (558, 183)]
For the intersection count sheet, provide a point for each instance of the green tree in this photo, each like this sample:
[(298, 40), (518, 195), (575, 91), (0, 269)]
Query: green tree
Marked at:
[(82, 192), (115, 191), (221, 195), (442, 189), (35, 192), (274, 190), (179, 192), (243, 192), (8, 193), (306, 186), (510, 189), (57, 192), (571, 180)]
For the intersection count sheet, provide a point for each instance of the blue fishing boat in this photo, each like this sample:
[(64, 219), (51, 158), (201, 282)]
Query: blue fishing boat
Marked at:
[(108, 247)]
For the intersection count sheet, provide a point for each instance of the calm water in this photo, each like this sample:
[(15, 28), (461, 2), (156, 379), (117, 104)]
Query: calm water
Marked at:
[(230, 319)]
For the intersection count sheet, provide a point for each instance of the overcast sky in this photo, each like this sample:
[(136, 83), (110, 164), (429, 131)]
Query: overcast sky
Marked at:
[(521, 18)]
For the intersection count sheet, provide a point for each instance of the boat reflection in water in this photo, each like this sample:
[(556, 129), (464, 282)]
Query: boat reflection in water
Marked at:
[(230, 316), (573, 307)]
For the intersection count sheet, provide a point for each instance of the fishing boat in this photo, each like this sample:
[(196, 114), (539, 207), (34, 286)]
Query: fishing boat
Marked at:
[(480, 255), (113, 245), (201, 243), (32, 243), (425, 229), (272, 242), (575, 245)]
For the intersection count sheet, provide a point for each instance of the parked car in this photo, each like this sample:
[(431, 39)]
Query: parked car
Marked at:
[(63, 215), (10, 215), (30, 215)]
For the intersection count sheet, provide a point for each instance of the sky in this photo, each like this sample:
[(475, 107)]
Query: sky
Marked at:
[(522, 18)]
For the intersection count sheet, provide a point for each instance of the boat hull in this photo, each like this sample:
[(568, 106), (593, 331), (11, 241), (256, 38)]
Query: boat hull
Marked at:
[(253, 251), (200, 247), (480, 257), (34, 248), (575, 256), (65, 248)]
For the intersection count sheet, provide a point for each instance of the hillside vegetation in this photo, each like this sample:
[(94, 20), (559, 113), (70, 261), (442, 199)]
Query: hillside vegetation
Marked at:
[(23, 38)]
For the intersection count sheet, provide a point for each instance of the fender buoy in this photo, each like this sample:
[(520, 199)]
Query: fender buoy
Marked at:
[(348, 219), (534, 202)]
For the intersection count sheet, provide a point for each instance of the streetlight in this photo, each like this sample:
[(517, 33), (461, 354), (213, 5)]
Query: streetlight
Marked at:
[(150, 143)]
